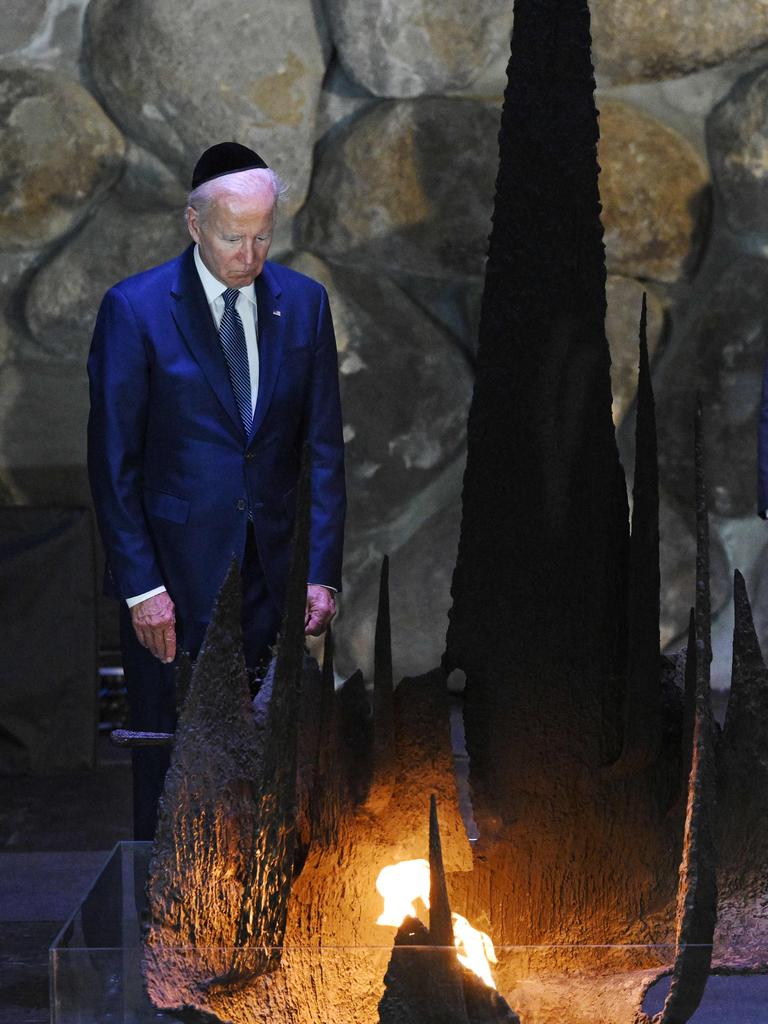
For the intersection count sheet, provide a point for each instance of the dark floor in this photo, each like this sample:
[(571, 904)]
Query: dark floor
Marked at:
[(55, 834)]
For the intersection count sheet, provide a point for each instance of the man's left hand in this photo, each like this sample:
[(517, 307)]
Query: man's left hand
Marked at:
[(321, 607)]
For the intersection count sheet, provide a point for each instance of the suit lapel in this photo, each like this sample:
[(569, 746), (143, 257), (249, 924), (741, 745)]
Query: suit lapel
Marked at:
[(271, 337), (193, 318)]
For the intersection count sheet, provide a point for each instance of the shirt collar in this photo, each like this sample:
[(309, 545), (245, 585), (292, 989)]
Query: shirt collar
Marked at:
[(213, 287)]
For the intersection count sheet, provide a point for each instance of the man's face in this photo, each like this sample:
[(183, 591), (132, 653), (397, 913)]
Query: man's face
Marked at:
[(235, 235)]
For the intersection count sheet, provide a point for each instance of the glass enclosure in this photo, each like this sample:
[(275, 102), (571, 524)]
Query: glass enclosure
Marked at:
[(96, 965)]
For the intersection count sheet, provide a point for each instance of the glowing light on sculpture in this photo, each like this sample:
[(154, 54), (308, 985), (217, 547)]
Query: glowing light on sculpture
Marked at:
[(400, 885)]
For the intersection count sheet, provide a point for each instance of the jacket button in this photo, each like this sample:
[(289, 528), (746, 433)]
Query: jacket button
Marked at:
[(240, 505), (250, 455)]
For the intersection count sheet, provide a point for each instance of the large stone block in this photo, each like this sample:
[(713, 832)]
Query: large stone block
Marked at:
[(622, 326), (340, 99), (653, 186), (737, 140), (15, 268), (148, 184), (46, 33), (722, 357), (179, 84), (645, 40), (424, 46), (405, 388), (64, 297), (22, 20), (408, 185), (58, 150)]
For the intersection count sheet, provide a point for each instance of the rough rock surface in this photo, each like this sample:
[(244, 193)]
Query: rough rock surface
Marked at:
[(57, 151), (21, 21), (43, 410), (622, 327), (407, 186), (65, 295), (46, 33), (644, 40), (15, 268), (6, 340), (652, 187), (405, 386), (341, 98), (409, 49), (179, 84), (148, 183), (737, 140), (722, 356)]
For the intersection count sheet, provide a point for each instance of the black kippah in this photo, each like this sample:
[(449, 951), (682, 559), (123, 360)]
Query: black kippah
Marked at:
[(225, 158)]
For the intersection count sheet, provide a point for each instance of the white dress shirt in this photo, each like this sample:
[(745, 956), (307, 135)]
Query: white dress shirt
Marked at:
[(246, 307)]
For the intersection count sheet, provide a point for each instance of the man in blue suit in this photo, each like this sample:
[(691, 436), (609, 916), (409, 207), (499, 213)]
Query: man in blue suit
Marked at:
[(208, 374)]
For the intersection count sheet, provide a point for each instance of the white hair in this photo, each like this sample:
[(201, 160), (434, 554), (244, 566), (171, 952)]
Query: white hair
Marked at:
[(242, 184)]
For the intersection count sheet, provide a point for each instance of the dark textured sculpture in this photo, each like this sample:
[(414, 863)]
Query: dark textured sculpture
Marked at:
[(610, 809), (545, 530), (425, 983), (382, 780), (642, 715), (202, 850), (222, 860), (564, 667), (696, 913), (742, 799)]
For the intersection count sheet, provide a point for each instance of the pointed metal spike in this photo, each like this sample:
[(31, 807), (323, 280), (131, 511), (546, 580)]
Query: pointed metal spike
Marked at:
[(703, 603), (329, 647), (382, 782), (746, 723), (326, 796), (642, 702), (440, 921), (268, 881), (382, 679), (428, 986), (689, 699), (421, 984), (355, 738), (742, 785), (206, 812), (697, 890), (543, 483), (182, 679)]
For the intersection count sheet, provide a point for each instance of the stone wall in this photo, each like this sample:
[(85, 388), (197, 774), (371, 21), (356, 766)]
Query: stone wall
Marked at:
[(383, 117)]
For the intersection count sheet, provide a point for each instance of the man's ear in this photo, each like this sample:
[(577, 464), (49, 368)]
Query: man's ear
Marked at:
[(193, 223)]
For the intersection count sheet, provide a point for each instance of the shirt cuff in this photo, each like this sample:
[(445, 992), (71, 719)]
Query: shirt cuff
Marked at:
[(333, 590), (131, 601)]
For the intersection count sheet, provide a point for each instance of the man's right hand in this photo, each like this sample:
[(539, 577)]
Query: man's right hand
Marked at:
[(154, 622)]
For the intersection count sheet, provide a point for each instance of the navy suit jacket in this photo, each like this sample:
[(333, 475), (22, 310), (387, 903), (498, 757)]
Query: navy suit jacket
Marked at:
[(172, 471)]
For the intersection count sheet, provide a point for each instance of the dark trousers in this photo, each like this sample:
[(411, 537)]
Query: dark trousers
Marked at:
[(151, 684)]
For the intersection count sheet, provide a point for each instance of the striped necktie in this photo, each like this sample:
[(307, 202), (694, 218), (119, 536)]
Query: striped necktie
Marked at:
[(232, 338)]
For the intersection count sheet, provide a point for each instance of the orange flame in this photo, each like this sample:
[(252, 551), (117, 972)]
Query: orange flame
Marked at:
[(474, 949), (402, 884)]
